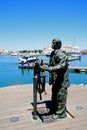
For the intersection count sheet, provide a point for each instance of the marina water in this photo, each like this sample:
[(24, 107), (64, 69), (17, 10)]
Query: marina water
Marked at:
[(11, 74)]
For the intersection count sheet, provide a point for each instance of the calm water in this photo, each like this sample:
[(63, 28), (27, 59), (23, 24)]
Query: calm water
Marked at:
[(10, 74)]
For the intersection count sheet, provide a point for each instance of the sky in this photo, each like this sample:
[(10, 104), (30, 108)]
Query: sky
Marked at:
[(32, 24)]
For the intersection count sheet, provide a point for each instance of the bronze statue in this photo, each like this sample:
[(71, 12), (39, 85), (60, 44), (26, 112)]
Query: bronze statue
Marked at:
[(58, 78)]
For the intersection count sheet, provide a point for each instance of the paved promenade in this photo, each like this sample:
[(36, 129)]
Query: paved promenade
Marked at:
[(16, 109)]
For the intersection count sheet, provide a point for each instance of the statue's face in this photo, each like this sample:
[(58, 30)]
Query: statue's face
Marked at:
[(54, 45)]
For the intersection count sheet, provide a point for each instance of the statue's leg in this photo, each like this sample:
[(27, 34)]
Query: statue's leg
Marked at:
[(61, 103)]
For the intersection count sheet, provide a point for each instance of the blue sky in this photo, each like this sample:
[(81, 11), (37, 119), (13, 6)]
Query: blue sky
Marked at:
[(32, 24)]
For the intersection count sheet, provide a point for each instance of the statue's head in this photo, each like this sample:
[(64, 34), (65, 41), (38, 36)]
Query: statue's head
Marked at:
[(56, 44)]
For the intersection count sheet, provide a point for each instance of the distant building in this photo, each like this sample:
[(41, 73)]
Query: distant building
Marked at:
[(71, 49), (5, 52), (47, 51), (67, 49)]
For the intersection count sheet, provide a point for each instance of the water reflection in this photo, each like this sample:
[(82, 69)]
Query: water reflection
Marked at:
[(25, 71)]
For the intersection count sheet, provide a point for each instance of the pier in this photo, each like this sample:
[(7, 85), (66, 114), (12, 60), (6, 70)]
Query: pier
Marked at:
[(78, 68), (16, 109)]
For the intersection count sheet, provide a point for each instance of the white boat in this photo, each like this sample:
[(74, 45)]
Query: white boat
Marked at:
[(72, 58), (27, 61), (14, 54)]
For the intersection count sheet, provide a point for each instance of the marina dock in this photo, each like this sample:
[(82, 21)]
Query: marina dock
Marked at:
[(16, 109), (78, 68), (71, 68)]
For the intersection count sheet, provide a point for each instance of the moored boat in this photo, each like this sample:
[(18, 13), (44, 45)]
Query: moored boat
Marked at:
[(27, 61)]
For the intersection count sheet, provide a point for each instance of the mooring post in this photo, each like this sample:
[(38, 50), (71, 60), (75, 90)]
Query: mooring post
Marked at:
[(35, 97)]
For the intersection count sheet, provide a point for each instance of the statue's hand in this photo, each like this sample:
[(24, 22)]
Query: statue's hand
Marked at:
[(46, 68)]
